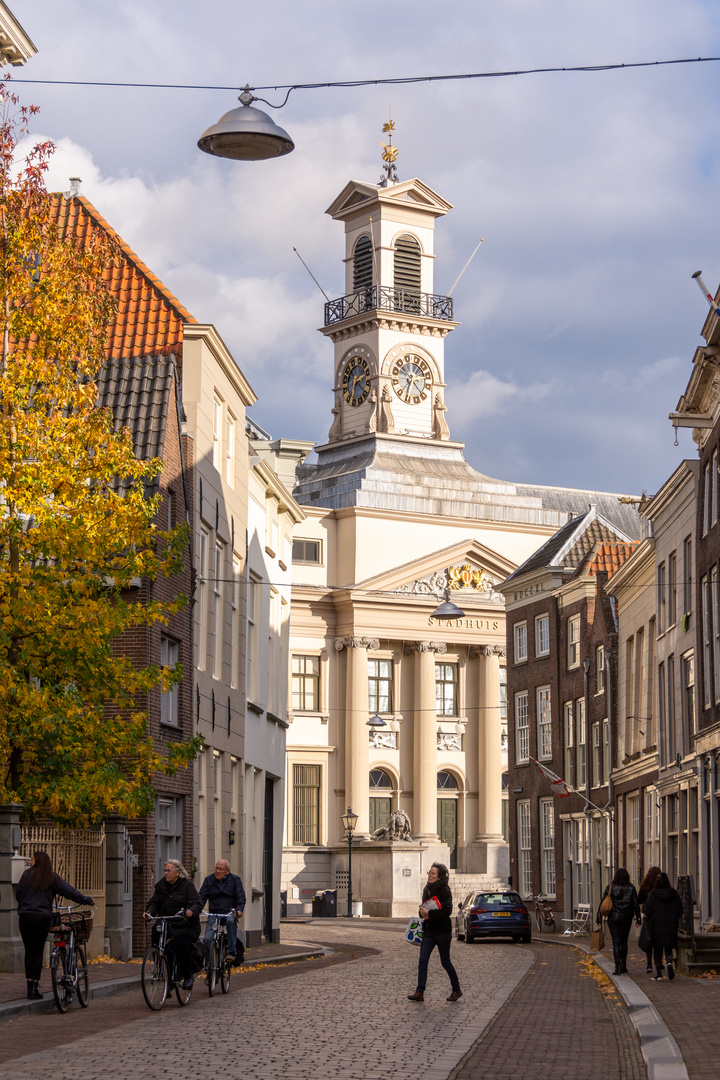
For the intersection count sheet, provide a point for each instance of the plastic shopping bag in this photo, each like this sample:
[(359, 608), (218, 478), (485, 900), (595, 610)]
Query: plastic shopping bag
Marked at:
[(414, 932)]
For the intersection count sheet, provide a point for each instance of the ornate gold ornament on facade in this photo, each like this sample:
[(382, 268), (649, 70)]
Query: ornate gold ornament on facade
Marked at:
[(467, 577)]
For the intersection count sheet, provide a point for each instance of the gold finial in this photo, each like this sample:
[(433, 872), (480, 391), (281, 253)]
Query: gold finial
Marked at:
[(389, 156)]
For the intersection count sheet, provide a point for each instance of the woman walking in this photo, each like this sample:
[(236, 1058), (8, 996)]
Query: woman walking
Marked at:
[(647, 885), (435, 912), (664, 909), (176, 895), (624, 906), (35, 891)]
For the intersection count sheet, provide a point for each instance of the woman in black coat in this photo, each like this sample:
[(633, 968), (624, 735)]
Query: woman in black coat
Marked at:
[(437, 930), (35, 892), (664, 910), (624, 906), (176, 895), (647, 885)]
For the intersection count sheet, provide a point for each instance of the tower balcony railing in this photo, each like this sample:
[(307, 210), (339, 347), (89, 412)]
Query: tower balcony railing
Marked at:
[(384, 298)]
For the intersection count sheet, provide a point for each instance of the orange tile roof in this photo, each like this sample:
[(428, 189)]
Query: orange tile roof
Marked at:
[(609, 557), (149, 319)]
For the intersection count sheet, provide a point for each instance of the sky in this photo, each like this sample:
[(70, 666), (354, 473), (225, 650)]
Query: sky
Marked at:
[(596, 194)]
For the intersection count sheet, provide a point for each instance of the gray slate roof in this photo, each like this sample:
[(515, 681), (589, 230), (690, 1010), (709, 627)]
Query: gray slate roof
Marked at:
[(141, 394), (572, 543)]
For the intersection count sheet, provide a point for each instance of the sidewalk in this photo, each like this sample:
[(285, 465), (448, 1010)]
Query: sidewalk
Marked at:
[(688, 1006), (108, 978)]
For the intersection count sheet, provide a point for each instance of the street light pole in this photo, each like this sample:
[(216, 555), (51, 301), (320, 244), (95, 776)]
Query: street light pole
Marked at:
[(349, 821)]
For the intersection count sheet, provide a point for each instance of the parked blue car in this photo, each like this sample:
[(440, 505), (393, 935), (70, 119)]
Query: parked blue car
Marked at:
[(493, 914)]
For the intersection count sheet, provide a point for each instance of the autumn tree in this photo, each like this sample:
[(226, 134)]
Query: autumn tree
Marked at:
[(76, 525)]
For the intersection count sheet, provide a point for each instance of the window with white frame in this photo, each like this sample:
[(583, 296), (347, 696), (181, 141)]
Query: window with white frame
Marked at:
[(600, 669), (688, 583), (235, 621), (672, 588), (254, 611), (230, 449), (274, 674), (714, 488), (661, 599), (707, 485), (217, 800), (715, 626), (547, 841), (202, 597), (542, 635), (606, 751), (569, 724), (596, 758), (524, 839), (168, 830), (522, 729), (380, 686), (306, 683), (544, 723), (573, 641), (169, 655), (707, 642), (688, 672), (652, 828), (217, 596), (217, 432), (446, 689), (633, 837), (234, 788), (520, 636), (503, 707), (581, 747)]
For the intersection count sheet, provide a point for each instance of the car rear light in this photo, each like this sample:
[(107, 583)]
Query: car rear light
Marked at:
[(478, 910), (521, 910)]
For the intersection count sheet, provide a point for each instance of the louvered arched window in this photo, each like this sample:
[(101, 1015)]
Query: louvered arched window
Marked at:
[(407, 264), (362, 264)]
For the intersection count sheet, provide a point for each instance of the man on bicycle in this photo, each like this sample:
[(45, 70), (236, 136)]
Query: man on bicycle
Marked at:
[(224, 893)]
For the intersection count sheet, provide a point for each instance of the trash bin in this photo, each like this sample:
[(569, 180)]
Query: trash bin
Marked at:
[(283, 904), (324, 904)]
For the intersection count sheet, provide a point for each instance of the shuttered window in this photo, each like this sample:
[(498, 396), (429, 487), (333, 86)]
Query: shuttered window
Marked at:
[(362, 264), (306, 804), (407, 264)]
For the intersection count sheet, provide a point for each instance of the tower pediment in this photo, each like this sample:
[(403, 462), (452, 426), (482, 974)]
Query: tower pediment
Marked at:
[(356, 194)]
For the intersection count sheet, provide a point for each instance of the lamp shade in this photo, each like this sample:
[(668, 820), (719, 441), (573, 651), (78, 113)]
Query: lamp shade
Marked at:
[(376, 721), (349, 820), (246, 134), (448, 610)]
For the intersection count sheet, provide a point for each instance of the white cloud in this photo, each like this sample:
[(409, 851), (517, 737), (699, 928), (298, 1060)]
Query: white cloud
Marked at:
[(484, 394)]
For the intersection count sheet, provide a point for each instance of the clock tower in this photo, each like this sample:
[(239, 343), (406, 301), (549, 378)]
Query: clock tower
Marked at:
[(389, 327)]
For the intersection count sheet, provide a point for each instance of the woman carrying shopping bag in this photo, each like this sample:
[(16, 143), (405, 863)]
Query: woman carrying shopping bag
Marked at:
[(435, 912), (622, 901)]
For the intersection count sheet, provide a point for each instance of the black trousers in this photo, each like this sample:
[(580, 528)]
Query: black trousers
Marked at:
[(34, 931), (427, 945), (658, 954), (181, 946), (619, 927)]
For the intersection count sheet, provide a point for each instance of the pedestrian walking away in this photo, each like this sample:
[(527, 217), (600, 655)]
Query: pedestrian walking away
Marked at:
[(663, 909), (224, 892), (647, 885), (435, 911), (624, 906), (35, 892), (176, 895)]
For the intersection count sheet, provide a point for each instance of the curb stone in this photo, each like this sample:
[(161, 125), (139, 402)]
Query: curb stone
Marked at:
[(661, 1053)]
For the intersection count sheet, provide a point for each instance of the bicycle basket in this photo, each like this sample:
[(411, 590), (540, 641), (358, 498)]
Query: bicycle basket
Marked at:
[(81, 920)]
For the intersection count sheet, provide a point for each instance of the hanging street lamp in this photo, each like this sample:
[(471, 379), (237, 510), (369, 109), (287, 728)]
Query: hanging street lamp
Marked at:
[(246, 134)]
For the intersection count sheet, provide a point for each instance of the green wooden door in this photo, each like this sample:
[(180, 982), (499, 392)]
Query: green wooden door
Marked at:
[(379, 813), (447, 827)]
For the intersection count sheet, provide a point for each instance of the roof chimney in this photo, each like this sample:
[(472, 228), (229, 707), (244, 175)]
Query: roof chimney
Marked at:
[(75, 183)]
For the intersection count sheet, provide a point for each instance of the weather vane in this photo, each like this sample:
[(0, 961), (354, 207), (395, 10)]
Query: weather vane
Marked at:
[(389, 156)]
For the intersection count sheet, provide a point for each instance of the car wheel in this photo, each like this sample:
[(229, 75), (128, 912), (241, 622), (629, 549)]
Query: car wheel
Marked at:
[(469, 938), (526, 939)]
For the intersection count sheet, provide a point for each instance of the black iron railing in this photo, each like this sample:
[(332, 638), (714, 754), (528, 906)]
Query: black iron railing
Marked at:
[(382, 298)]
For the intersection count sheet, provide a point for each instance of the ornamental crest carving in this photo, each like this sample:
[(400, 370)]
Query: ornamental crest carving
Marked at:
[(433, 585), (468, 577)]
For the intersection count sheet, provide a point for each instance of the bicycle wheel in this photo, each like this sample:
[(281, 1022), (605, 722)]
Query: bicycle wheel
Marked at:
[(225, 968), (154, 978), (538, 919), (82, 985), (550, 923), (213, 967), (183, 996), (58, 975)]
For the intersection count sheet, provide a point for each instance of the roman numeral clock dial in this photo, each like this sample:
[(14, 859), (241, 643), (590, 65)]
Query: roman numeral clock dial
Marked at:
[(411, 379), (356, 380)]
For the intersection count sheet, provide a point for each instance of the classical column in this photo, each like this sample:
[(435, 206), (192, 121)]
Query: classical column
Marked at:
[(424, 820), (489, 742), (357, 735)]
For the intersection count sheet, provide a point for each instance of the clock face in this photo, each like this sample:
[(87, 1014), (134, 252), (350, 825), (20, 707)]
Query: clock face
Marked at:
[(356, 380), (411, 379)]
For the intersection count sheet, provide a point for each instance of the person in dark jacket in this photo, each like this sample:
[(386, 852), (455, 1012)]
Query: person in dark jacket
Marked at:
[(176, 895), (435, 911), (647, 885), (664, 909), (624, 906), (224, 894), (35, 892)]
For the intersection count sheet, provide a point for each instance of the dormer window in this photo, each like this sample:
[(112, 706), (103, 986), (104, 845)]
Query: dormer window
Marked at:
[(362, 264), (407, 264)]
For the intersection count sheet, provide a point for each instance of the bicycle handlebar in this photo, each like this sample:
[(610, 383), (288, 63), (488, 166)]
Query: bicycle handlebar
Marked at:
[(220, 914), (161, 918)]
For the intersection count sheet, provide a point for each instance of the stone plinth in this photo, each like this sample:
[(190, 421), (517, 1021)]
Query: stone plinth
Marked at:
[(388, 876), (12, 954)]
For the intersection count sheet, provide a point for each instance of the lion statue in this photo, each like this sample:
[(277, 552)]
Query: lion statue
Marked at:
[(397, 828)]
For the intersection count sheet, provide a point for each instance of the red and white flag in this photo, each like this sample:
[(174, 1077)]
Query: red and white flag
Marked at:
[(560, 788)]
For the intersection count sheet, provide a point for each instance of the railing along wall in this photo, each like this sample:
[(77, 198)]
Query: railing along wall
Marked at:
[(384, 298), (77, 855)]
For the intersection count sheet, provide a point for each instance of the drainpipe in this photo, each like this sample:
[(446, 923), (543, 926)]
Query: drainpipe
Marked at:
[(588, 774), (611, 741)]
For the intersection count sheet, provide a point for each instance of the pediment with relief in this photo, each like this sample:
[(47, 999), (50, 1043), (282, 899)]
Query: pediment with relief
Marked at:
[(415, 191)]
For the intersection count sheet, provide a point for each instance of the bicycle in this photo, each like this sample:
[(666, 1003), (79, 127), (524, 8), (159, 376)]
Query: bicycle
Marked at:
[(68, 962), (217, 966), (543, 914), (159, 975)]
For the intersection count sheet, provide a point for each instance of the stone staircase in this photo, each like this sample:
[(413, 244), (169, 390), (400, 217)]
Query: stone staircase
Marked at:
[(703, 956), (462, 884)]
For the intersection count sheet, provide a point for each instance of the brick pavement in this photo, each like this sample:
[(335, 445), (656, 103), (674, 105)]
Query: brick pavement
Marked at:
[(348, 1022), (576, 1027)]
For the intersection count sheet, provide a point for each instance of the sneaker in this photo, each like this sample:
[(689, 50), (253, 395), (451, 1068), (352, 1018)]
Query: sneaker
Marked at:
[(648, 970), (658, 978), (671, 970)]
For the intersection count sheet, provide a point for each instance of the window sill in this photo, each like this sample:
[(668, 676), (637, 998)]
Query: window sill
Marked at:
[(269, 551), (258, 709), (516, 663), (542, 655)]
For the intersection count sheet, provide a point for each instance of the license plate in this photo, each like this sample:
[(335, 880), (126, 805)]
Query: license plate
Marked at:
[(501, 914)]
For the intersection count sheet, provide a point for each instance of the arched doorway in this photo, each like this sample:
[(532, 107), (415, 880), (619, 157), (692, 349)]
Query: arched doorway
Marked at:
[(447, 813), (380, 799)]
